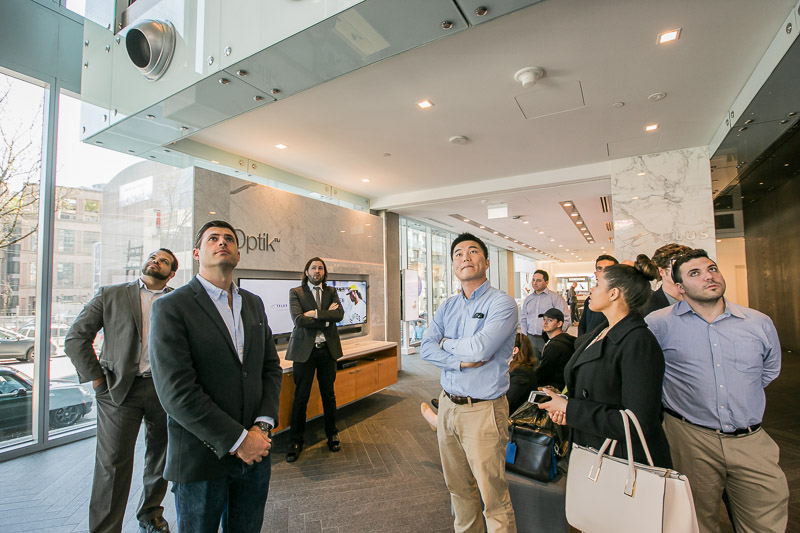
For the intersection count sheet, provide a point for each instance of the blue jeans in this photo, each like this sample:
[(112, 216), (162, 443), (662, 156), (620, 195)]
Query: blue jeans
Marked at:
[(236, 500)]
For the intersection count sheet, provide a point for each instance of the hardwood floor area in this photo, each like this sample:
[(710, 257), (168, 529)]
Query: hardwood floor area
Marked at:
[(387, 478)]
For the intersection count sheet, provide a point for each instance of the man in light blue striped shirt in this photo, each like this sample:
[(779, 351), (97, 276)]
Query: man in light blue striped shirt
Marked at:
[(471, 339), (719, 357)]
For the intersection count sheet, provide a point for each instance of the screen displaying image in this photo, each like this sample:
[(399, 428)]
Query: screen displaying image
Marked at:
[(275, 295), (353, 295)]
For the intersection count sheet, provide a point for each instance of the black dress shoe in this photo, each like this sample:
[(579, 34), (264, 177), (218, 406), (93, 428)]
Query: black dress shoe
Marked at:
[(334, 444), (435, 402), (294, 452), (154, 525)]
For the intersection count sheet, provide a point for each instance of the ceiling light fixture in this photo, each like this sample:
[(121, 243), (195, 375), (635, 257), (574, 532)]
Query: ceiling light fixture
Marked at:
[(640, 174), (425, 104), (281, 146), (497, 210), (651, 127), (365, 180), (669, 36)]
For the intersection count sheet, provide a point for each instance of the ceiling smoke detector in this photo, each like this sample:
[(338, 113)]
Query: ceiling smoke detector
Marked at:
[(528, 76)]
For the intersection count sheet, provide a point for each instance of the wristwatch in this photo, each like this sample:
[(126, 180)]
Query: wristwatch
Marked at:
[(265, 427)]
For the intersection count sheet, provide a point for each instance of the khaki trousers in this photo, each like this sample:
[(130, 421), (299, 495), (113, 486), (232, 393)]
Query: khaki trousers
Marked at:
[(746, 466), (472, 446)]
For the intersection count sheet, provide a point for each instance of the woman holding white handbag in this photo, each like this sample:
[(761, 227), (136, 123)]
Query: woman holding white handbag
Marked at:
[(620, 366), (614, 378)]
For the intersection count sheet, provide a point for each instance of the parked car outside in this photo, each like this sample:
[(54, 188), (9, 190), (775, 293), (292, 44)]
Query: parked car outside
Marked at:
[(15, 345), (68, 403)]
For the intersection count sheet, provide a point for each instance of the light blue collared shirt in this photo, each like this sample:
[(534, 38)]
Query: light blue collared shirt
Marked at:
[(233, 321), (716, 373), (536, 304), (478, 328)]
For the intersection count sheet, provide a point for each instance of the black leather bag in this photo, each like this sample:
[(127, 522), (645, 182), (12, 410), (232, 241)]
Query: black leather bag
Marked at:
[(535, 444), (531, 453)]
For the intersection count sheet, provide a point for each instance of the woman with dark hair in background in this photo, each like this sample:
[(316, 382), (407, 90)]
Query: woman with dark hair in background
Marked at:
[(522, 372), (618, 366)]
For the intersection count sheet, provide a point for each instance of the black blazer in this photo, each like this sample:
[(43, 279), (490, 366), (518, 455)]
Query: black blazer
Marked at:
[(301, 342), (117, 310), (658, 300), (627, 373), (523, 381), (209, 395)]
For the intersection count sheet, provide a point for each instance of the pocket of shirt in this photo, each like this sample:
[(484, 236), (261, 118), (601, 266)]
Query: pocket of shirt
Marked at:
[(748, 356)]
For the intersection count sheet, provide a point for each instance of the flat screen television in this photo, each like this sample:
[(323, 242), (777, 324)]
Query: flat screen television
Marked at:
[(275, 295)]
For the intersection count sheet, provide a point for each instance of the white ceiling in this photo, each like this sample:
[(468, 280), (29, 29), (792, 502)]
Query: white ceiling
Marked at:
[(339, 132)]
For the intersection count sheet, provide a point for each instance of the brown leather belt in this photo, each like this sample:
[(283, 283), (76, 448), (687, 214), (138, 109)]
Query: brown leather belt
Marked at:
[(462, 400), (734, 433)]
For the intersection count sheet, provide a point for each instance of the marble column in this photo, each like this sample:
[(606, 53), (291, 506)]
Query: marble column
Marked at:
[(662, 198)]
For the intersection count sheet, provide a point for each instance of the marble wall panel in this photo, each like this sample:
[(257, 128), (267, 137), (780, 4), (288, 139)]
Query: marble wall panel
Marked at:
[(662, 198), (283, 230)]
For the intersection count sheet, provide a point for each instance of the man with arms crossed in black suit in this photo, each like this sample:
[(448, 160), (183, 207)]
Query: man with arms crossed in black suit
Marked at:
[(218, 376), (314, 346), (125, 395)]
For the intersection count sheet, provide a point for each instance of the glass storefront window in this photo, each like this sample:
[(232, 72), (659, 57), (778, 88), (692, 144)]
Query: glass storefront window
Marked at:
[(113, 210), (440, 249), (417, 260), (21, 124)]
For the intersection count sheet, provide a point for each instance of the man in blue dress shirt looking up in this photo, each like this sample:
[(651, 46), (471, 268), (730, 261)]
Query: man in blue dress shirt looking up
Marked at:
[(471, 339), (719, 357)]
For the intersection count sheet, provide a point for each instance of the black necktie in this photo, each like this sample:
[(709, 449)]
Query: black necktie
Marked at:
[(318, 296)]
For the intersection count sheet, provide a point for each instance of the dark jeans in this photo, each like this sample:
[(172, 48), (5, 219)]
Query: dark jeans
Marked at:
[(117, 429), (325, 367), (236, 500)]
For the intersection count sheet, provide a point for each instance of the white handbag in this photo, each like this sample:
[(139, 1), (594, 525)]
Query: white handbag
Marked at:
[(608, 494)]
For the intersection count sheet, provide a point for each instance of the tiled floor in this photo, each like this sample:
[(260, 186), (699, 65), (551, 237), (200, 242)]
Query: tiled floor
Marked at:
[(387, 478)]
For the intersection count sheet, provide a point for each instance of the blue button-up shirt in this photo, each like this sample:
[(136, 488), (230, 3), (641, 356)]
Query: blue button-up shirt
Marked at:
[(536, 304), (716, 373), (478, 328)]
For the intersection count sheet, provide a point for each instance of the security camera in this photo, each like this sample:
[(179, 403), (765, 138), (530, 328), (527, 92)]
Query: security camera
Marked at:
[(150, 45)]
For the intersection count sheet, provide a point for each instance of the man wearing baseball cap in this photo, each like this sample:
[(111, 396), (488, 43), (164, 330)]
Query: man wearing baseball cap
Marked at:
[(556, 352)]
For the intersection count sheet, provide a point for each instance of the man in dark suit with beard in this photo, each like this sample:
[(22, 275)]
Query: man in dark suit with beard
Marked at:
[(218, 376), (314, 347)]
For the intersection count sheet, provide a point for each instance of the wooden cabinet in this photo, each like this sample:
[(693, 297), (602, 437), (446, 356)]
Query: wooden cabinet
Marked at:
[(375, 369)]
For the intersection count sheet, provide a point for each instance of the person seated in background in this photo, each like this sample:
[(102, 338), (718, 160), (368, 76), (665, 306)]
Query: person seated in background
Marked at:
[(556, 352), (591, 319), (616, 366), (522, 374)]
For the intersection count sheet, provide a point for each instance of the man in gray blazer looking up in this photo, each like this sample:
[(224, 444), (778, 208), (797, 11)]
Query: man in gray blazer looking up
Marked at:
[(218, 377), (314, 347), (125, 395)]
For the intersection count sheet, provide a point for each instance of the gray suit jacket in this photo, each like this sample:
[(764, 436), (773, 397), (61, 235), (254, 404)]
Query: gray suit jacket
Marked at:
[(208, 394), (305, 329), (117, 310)]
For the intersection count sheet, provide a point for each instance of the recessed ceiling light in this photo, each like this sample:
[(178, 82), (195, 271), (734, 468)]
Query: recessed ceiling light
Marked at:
[(365, 180), (525, 222), (552, 240), (541, 233), (507, 237), (567, 204), (635, 198), (566, 249), (669, 36), (425, 104), (640, 174), (466, 220), (494, 232), (573, 214), (482, 227), (560, 245), (281, 146), (212, 212), (516, 240), (215, 162), (651, 127), (719, 240), (579, 221), (341, 231)]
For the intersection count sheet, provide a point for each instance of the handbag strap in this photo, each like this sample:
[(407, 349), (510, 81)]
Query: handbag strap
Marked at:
[(641, 435)]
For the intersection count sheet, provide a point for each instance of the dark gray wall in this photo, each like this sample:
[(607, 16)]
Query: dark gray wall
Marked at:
[(772, 247), (41, 40)]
